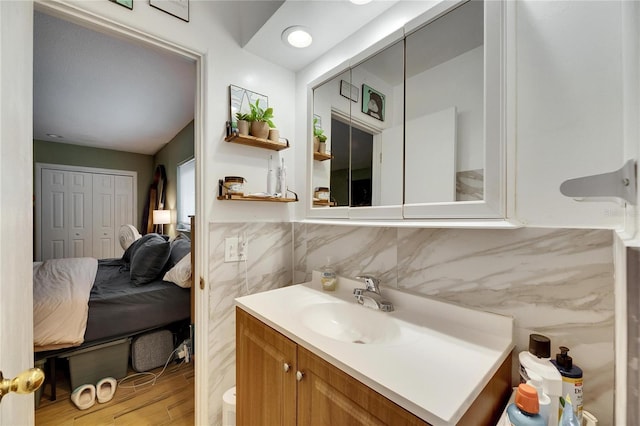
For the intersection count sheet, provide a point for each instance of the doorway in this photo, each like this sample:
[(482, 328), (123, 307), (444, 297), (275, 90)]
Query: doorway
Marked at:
[(74, 17)]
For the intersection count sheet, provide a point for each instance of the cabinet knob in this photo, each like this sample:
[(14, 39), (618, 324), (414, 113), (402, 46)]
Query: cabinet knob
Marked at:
[(286, 367), (299, 375)]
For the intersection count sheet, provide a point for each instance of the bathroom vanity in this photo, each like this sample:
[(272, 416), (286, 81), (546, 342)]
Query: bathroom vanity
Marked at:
[(307, 357)]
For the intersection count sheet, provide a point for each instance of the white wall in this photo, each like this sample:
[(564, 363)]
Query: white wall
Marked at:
[(455, 83), (569, 110)]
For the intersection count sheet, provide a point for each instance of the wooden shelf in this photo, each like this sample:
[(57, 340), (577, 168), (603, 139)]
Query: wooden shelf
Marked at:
[(319, 156), (248, 198), (257, 142), (322, 203)]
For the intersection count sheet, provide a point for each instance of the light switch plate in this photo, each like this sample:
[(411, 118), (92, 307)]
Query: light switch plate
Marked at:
[(235, 250)]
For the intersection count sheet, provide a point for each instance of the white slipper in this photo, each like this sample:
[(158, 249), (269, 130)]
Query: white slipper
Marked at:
[(105, 389), (84, 396)]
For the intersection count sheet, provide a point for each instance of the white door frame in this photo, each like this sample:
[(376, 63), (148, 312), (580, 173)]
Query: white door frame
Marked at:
[(71, 13)]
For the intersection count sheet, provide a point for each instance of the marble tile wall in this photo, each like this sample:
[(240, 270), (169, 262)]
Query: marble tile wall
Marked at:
[(555, 282), (269, 266), (633, 335)]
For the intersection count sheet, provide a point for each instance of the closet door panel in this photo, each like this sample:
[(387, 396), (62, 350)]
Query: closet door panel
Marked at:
[(80, 220), (103, 216), (55, 230), (123, 206)]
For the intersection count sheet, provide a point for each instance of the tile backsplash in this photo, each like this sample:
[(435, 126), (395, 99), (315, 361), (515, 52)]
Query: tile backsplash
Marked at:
[(556, 282), (268, 266)]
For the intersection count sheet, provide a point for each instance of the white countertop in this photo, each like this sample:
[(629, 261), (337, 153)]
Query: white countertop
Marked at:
[(445, 358)]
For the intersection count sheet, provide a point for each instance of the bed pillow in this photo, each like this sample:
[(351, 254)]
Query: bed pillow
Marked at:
[(148, 258), (180, 274), (179, 249)]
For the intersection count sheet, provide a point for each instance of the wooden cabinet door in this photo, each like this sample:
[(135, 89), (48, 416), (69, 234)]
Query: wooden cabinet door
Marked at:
[(328, 396), (265, 386)]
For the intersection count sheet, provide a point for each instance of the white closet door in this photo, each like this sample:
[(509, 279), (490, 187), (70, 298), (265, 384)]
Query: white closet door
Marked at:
[(123, 207), (80, 220), (103, 216), (55, 229)]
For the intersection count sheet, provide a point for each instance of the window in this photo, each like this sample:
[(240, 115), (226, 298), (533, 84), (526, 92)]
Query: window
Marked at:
[(186, 193)]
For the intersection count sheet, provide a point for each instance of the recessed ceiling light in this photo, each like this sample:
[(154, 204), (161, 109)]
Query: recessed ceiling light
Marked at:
[(51, 135), (360, 2), (297, 36)]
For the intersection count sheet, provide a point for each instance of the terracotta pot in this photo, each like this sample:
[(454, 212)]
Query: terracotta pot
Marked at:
[(243, 127), (316, 144), (260, 129), (322, 147), (274, 135)]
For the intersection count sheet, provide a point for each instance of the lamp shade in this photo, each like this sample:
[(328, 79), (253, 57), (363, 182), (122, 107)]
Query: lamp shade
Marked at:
[(161, 217)]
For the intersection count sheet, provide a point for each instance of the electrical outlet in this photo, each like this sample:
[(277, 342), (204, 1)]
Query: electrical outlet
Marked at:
[(235, 250)]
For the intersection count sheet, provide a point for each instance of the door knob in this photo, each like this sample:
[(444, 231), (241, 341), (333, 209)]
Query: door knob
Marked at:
[(286, 367), (299, 375), (26, 382)]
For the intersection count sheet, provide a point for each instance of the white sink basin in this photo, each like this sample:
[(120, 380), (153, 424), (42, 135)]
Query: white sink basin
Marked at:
[(350, 322)]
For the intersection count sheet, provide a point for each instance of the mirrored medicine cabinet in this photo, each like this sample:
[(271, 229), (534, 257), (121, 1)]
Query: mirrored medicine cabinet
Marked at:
[(415, 129)]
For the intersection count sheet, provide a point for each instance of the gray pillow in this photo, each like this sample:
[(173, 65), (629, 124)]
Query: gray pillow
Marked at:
[(180, 247), (148, 258)]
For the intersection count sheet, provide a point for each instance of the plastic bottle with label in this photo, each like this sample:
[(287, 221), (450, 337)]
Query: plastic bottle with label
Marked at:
[(524, 411), (571, 381), (538, 360), (328, 277)]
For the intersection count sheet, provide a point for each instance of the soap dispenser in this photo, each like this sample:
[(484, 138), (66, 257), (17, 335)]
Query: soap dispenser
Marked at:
[(571, 380), (328, 276)]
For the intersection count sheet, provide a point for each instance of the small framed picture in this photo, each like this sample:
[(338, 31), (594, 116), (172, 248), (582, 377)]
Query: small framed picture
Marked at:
[(177, 8), (349, 91), (126, 3), (372, 102)]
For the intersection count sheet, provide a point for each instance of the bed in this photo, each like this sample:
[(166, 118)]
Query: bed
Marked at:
[(82, 302)]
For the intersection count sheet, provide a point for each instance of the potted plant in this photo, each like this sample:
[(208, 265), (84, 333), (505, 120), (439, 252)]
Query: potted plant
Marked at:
[(319, 138), (243, 123), (260, 120)]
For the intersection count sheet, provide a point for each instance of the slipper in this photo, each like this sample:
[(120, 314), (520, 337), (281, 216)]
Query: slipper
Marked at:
[(84, 396), (105, 389)]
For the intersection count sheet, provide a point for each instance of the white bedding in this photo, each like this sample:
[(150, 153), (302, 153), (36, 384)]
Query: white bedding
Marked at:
[(61, 289)]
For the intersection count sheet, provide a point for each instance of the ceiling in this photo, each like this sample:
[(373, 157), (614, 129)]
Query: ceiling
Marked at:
[(328, 21), (97, 90)]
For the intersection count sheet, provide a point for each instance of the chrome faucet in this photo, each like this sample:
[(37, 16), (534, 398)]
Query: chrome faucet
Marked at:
[(370, 296)]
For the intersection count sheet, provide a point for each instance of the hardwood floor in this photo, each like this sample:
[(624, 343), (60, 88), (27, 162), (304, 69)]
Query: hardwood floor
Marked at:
[(169, 401)]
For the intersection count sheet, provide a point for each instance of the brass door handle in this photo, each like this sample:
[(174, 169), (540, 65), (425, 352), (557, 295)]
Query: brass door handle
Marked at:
[(26, 382)]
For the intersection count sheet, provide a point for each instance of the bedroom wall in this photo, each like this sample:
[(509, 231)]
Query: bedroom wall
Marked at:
[(76, 155), (178, 150), (556, 282)]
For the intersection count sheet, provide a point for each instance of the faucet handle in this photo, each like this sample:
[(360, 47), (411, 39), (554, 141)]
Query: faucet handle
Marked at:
[(371, 282)]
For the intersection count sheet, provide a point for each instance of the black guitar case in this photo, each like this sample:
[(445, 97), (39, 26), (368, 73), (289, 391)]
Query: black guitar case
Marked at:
[(156, 199)]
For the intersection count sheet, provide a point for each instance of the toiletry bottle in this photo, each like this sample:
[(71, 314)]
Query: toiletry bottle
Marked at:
[(271, 178), (544, 402), (568, 416), (571, 380), (328, 277), (537, 360), (524, 411), (282, 180)]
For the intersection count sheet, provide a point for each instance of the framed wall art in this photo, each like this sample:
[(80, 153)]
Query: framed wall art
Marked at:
[(349, 91), (126, 3), (177, 8), (239, 100), (372, 102)]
